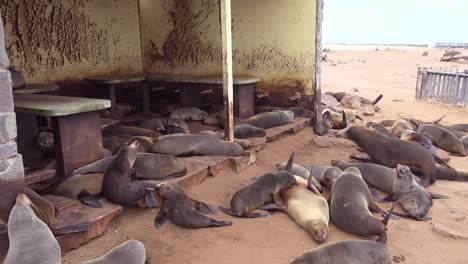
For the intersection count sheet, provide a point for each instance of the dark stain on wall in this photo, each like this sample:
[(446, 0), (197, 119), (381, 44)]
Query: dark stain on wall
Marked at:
[(50, 33), (187, 43)]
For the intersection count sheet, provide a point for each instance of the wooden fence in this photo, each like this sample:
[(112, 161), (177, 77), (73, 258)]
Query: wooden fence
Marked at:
[(446, 86)]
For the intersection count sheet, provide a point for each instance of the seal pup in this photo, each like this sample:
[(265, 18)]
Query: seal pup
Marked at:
[(118, 186), (263, 190), (351, 205), (196, 145), (189, 114), (443, 139), (347, 252), (248, 131), (182, 210), (325, 175), (390, 151), (399, 183), (309, 210), (399, 126), (129, 252), (31, 241), (270, 119)]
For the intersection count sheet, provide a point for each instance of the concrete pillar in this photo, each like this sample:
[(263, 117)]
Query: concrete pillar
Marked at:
[(11, 163)]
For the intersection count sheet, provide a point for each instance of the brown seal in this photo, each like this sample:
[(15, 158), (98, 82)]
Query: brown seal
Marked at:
[(31, 241), (118, 186), (347, 252), (120, 129), (262, 191), (309, 210), (443, 139), (162, 125), (351, 205), (330, 119), (131, 251), (378, 128), (339, 96), (114, 143), (302, 172), (325, 175), (182, 210), (189, 114), (399, 183), (446, 173), (270, 119), (399, 126), (426, 142), (390, 151)]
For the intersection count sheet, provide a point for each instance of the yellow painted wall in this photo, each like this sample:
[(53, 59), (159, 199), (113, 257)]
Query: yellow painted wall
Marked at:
[(64, 40), (272, 39)]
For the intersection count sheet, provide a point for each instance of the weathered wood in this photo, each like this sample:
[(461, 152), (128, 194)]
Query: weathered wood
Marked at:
[(418, 83), (317, 97), (228, 94), (39, 176), (423, 84), (456, 90), (465, 90), (244, 100), (437, 88)]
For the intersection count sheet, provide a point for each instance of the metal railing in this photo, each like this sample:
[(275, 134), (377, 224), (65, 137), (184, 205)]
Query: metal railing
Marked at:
[(444, 85)]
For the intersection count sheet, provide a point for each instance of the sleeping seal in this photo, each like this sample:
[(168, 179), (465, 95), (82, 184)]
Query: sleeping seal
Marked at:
[(347, 252), (270, 119), (443, 139), (189, 114), (129, 252), (182, 210), (31, 241)]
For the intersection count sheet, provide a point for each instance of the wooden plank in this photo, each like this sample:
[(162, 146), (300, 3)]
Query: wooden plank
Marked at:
[(39, 176), (456, 91), (465, 90), (437, 86), (228, 94), (423, 84), (444, 88), (418, 83), (317, 97)]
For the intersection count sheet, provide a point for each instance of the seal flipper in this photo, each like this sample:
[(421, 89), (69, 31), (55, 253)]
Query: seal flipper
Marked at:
[(344, 121), (375, 208), (290, 163), (71, 229), (363, 158), (438, 196), (215, 223), (389, 215), (377, 99), (90, 200), (204, 208), (273, 207), (375, 195), (189, 153), (174, 176), (413, 217), (438, 120), (149, 199), (388, 199), (160, 219), (245, 215)]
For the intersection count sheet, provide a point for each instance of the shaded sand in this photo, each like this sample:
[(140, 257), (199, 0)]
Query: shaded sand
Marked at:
[(277, 239)]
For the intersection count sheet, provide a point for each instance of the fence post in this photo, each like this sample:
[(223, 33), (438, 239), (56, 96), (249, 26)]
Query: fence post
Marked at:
[(456, 90), (418, 83)]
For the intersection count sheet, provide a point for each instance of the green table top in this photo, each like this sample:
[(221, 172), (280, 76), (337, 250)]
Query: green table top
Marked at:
[(116, 79), (35, 88), (198, 79), (51, 105)]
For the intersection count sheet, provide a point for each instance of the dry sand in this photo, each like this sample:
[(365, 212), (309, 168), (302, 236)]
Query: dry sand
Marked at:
[(277, 239)]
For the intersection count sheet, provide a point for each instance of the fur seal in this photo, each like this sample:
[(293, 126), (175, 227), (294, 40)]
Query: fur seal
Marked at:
[(131, 251), (148, 166), (390, 151), (162, 125), (118, 186), (325, 175), (301, 112), (378, 128), (399, 183), (446, 173), (302, 172), (78, 186), (460, 127), (399, 126), (339, 96), (31, 241), (443, 139), (270, 119), (426, 142), (114, 143), (244, 143), (248, 131), (189, 114), (351, 205), (308, 210), (182, 210), (120, 129), (196, 145), (347, 252), (263, 190)]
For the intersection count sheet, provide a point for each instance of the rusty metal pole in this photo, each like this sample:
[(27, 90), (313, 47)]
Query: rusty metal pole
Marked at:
[(317, 102), (226, 33)]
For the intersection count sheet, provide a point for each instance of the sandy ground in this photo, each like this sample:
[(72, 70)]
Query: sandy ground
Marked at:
[(277, 239)]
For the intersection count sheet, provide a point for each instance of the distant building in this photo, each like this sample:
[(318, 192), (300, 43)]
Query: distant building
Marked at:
[(451, 45)]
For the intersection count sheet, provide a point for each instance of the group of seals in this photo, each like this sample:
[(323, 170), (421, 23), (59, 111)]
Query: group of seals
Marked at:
[(340, 95), (390, 151)]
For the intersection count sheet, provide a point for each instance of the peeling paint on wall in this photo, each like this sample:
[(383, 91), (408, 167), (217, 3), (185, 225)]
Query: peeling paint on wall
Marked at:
[(54, 39)]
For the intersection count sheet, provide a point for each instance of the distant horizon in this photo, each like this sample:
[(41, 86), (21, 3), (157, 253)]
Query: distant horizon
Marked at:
[(415, 22)]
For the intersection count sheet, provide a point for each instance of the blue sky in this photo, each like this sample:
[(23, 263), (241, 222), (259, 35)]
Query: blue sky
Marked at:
[(395, 21)]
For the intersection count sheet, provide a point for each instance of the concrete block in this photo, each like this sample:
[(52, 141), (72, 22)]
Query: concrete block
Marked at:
[(8, 150), (11, 169), (6, 94), (7, 127), (4, 61)]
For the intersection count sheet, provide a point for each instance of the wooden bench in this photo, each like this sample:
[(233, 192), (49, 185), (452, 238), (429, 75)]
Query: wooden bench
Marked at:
[(191, 91), (112, 82), (75, 123)]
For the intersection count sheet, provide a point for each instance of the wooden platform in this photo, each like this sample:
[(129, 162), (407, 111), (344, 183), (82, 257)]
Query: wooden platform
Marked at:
[(298, 124), (70, 212)]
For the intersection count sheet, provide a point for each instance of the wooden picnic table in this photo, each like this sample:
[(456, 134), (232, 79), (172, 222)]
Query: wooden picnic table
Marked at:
[(75, 123), (244, 90), (111, 82)]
